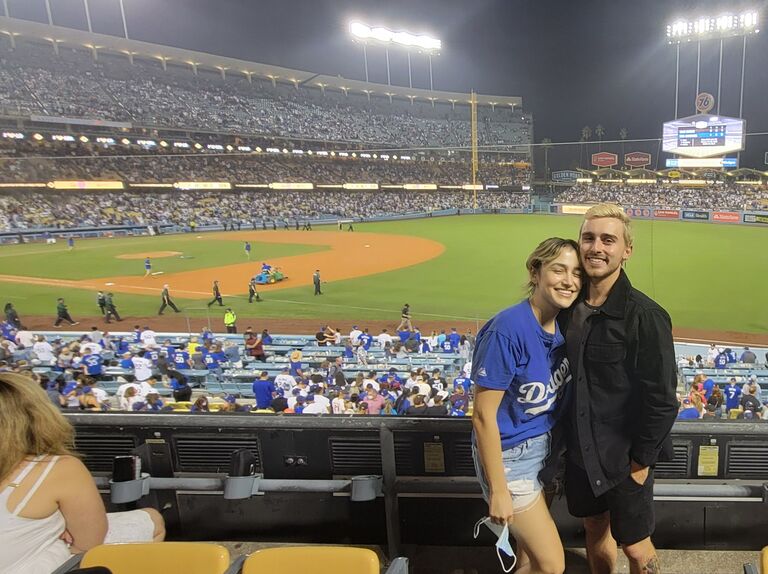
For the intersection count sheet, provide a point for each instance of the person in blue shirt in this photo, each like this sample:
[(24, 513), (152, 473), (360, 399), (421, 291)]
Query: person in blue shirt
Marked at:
[(441, 338), (732, 395), (70, 243), (446, 346), (266, 338), (248, 249), (721, 360), (137, 334), (181, 359), (263, 390), (462, 381), (365, 340), (206, 335), (147, 266), (126, 362), (454, 339), (92, 365), (522, 380), (688, 410)]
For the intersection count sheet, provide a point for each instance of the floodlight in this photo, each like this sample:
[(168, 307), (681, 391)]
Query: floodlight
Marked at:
[(384, 35), (706, 27)]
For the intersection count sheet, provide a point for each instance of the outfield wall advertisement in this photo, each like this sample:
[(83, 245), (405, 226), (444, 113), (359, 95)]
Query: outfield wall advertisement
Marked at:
[(756, 218), (697, 215), (672, 214)]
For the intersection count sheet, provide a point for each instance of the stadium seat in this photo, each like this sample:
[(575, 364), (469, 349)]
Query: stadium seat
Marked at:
[(159, 558), (312, 560)]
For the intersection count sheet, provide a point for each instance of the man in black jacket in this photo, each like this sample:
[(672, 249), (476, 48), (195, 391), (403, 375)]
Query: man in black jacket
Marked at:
[(621, 353)]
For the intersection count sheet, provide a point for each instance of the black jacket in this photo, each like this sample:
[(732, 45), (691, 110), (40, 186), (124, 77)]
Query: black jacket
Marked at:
[(624, 400)]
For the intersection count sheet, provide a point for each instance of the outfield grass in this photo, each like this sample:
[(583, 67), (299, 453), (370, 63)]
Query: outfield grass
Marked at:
[(707, 276)]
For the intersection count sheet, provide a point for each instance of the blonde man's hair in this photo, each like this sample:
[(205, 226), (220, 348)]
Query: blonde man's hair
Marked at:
[(546, 252), (30, 425), (611, 211)]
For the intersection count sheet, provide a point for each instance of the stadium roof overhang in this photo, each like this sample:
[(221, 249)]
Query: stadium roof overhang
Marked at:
[(99, 43)]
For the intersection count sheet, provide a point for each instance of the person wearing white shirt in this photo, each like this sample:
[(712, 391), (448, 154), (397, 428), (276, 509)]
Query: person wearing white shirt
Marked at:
[(411, 381), (354, 336), (371, 382), (90, 348), (43, 350), (338, 405), (25, 338), (142, 368), (383, 338), (313, 408), (323, 401), (712, 353), (148, 337), (146, 387), (285, 381)]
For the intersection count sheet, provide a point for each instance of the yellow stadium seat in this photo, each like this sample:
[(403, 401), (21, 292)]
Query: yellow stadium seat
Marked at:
[(159, 558), (764, 561), (312, 560)]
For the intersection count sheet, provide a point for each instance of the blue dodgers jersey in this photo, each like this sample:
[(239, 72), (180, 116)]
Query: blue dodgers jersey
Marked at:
[(514, 354), (92, 364)]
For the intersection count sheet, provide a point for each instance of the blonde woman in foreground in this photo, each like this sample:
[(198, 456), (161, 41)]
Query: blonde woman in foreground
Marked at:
[(49, 505)]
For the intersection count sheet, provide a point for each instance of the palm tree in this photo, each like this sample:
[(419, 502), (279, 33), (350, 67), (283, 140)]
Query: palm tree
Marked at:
[(599, 132), (623, 133), (586, 133), (546, 143)]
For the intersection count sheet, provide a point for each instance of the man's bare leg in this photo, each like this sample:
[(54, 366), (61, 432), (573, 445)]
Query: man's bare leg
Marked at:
[(602, 551)]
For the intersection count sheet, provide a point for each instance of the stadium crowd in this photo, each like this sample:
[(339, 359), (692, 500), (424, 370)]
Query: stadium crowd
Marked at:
[(89, 162), (251, 209), (153, 372), (73, 85), (668, 196)]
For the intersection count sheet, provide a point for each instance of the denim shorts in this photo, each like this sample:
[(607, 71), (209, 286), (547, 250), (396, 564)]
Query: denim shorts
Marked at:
[(522, 465)]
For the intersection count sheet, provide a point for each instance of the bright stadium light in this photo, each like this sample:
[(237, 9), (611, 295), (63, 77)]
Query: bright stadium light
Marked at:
[(387, 38), (709, 27), (363, 32)]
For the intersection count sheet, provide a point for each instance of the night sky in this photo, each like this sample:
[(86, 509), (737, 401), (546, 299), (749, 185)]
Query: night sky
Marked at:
[(575, 63)]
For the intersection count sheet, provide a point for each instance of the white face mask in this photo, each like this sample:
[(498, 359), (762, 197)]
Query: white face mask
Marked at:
[(502, 542)]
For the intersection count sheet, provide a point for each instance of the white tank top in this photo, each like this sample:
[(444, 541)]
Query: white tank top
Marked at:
[(30, 545)]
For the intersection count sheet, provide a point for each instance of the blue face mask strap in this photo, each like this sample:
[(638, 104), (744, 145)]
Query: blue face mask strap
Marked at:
[(502, 544)]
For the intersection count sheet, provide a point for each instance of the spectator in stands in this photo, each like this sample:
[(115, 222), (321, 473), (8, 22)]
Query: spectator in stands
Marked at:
[(689, 410), (732, 395), (49, 500), (263, 390), (716, 402), (418, 406), (749, 402), (438, 407), (512, 421), (200, 406), (748, 357), (254, 346), (12, 317)]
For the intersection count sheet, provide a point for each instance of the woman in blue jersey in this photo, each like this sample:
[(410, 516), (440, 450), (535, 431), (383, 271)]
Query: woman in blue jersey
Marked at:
[(521, 374)]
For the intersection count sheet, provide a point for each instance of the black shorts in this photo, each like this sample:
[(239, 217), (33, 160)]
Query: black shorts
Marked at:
[(629, 504)]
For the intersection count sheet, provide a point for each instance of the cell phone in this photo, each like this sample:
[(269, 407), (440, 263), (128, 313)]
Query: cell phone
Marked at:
[(125, 468), (242, 463)]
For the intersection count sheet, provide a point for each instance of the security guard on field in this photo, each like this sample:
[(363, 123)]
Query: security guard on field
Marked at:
[(229, 320)]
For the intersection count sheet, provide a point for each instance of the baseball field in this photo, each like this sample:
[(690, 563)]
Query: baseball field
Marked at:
[(452, 271)]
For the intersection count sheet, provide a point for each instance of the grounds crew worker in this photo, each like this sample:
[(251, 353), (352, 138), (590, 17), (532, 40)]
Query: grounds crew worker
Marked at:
[(229, 320)]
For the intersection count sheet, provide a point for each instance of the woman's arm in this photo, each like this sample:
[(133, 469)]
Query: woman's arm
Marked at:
[(80, 503), (487, 401)]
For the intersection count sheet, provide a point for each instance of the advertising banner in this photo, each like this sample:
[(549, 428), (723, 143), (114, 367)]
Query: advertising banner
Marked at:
[(639, 212), (726, 216), (575, 209), (755, 218), (698, 215), (566, 176), (637, 159), (604, 159), (666, 213)]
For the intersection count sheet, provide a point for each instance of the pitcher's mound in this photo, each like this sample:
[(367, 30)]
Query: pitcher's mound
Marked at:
[(152, 254)]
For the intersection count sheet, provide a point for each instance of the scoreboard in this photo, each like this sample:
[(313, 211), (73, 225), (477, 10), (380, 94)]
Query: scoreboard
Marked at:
[(704, 135)]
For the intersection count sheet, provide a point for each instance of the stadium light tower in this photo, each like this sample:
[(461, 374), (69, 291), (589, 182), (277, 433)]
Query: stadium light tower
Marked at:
[(389, 38), (703, 28)]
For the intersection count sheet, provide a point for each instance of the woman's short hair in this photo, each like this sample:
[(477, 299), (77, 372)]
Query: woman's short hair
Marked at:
[(29, 423), (546, 252)]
